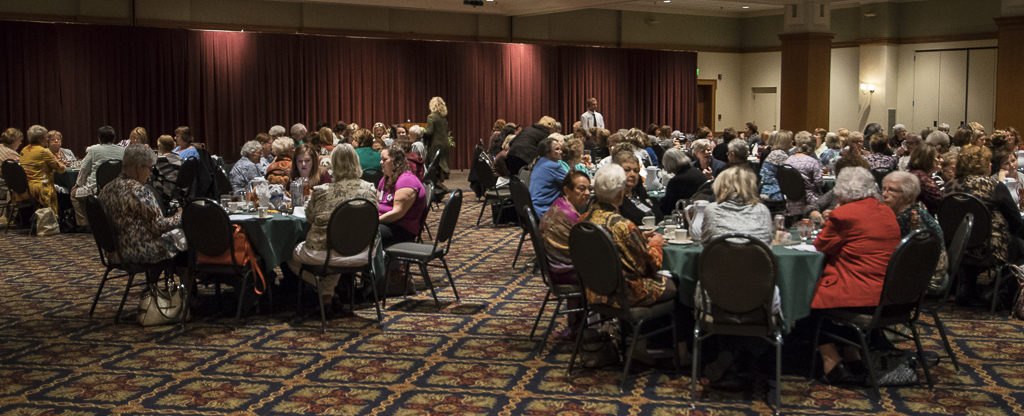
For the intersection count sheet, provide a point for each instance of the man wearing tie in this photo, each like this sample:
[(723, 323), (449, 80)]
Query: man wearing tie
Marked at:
[(591, 118)]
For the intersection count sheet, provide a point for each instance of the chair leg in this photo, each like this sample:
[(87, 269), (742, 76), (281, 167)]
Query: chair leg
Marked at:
[(872, 377), (814, 349), (920, 355), (695, 370), (551, 322), (945, 341), (579, 342), (675, 344), (522, 239), (320, 300), (629, 354), (483, 206), (96, 298), (429, 283), (243, 287), (451, 281), (540, 313), (376, 302), (778, 372), (998, 281), (124, 297)]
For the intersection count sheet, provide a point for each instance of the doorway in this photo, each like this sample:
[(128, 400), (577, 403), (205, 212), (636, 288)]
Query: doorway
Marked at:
[(706, 102)]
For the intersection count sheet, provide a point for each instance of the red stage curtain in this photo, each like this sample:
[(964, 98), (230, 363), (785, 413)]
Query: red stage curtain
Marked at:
[(228, 86)]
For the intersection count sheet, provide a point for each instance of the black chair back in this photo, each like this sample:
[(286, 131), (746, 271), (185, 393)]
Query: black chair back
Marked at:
[(720, 275), (521, 197), (791, 183), (428, 190), (533, 229), (208, 228), (596, 261), (955, 252), (906, 278), (14, 174), (449, 217), (352, 227), (432, 167), (102, 228), (106, 172), (704, 192), (879, 174), (373, 176), (954, 207), (484, 173), (187, 174)]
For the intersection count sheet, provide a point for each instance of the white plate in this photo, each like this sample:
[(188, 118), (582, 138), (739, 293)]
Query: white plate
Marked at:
[(647, 227), (681, 242)]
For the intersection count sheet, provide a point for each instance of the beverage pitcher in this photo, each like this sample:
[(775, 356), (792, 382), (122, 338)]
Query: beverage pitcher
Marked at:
[(695, 217)]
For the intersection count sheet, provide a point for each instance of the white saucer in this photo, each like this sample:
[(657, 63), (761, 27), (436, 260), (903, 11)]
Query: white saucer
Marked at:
[(647, 227), (680, 242)]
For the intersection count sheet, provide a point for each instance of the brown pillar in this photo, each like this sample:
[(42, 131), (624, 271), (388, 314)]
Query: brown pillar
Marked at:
[(1009, 88), (806, 59)]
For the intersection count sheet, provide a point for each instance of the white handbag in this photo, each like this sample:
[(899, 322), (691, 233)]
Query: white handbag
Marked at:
[(161, 306)]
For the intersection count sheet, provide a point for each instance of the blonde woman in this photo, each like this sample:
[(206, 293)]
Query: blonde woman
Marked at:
[(738, 208), (436, 137)]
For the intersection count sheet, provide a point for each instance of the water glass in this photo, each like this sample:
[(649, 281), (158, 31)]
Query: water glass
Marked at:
[(225, 201)]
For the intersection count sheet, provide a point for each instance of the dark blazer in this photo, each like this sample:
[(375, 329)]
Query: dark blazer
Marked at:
[(524, 146), (682, 186)]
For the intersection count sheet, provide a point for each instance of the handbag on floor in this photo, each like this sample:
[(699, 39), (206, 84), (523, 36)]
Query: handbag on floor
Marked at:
[(161, 306), (46, 222)]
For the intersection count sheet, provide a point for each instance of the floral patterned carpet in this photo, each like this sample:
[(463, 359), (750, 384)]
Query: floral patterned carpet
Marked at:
[(471, 358)]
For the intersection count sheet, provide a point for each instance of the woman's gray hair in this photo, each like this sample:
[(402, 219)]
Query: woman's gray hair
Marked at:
[(35, 134), (832, 141), (674, 158), (276, 131), (137, 154), (283, 146), (855, 183), (345, 163), (609, 181), (415, 132), (738, 147), (804, 142), (700, 144), (250, 147), (908, 183)]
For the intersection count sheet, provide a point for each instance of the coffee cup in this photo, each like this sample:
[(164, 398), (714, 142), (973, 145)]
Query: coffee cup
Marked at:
[(649, 221), (670, 229), (679, 234), (261, 212)]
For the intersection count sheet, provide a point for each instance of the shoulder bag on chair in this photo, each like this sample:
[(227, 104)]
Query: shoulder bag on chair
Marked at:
[(244, 255), (161, 306)]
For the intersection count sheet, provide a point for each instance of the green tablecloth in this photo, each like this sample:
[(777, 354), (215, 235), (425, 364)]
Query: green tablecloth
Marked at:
[(66, 179), (275, 237), (798, 273)]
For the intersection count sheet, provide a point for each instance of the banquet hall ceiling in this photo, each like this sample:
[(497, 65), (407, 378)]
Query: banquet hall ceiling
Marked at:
[(735, 8)]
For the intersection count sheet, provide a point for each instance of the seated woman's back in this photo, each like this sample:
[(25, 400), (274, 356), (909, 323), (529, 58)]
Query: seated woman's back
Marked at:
[(739, 209)]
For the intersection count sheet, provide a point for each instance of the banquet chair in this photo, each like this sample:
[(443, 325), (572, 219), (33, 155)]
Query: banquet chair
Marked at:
[(185, 182), (931, 306), (906, 280), (429, 172), (561, 292), (428, 190), (791, 183), (422, 254), (106, 172), (521, 199), (373, 176), (17, 182), (351, 230), (105, 236), (953, 208), (727, 311), (596, 260), (704, 192), (209, 232), (485, 176)]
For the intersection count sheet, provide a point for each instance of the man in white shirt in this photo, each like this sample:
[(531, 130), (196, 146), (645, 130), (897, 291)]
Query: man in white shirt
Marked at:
[(591, 118)]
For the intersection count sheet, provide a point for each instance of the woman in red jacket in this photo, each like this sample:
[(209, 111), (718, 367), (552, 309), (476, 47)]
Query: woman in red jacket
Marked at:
[(858, 239)]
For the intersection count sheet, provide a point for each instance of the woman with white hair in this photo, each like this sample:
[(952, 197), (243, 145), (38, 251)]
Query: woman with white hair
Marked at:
[(900, 192), (707, 165), (858, 238), (416, 137), (144, 235), (247, 167), (640, 253), (345, 184), (436, 137)]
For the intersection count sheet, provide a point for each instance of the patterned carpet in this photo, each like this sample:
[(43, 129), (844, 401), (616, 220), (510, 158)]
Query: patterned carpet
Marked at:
[(472, 358)]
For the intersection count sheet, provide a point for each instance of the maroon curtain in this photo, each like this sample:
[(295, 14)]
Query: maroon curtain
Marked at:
[(228, 86)]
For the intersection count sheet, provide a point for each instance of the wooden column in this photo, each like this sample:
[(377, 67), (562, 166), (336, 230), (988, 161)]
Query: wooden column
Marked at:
[(806, 59), (1009, 88)]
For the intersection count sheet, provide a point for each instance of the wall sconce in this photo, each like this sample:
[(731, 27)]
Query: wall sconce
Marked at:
[(870, 88)]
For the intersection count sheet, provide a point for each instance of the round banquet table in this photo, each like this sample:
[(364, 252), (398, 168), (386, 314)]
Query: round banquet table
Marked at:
[(797, 271), (273, 238)]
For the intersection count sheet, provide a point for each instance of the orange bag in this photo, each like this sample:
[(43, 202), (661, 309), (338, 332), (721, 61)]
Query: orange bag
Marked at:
[(244, 255)]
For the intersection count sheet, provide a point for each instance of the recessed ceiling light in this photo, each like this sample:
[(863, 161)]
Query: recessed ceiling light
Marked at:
[(666, 1), (745, 7)]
